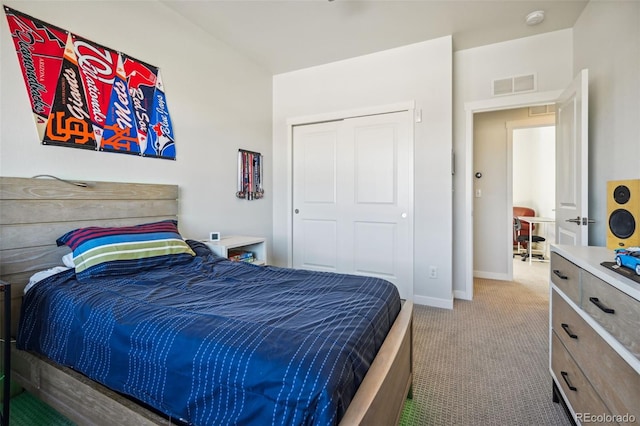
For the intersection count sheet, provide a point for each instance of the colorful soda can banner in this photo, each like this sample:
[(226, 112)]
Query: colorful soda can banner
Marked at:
[(85, 95)]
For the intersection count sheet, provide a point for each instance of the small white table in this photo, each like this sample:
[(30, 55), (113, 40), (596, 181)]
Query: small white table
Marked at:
[(539, 220), (257, 245)]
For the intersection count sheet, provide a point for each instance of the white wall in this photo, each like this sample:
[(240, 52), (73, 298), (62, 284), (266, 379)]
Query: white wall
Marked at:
[(419, 72), (218, 101), (523, 169), (534, 150), (607, 42), (534, 183), (549, 56)]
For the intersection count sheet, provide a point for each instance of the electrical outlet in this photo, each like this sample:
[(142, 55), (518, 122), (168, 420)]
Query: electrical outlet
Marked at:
[(433, 272)]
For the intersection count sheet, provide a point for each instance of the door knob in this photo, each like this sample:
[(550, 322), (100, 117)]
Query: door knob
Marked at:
[(296, 211), (576, 220)]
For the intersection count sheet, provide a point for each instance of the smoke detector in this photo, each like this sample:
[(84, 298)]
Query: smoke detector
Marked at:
[(534, 18)]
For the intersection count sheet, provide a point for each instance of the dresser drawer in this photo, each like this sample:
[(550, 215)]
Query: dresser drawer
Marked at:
[(615, 311), (615, 381), (566, 322), (566, 276), (579, 392)]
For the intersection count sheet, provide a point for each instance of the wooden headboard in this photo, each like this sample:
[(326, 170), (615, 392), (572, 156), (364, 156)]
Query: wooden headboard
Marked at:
[(35, 212)]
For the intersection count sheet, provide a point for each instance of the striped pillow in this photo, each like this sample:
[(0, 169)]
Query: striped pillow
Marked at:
[(99, 251)]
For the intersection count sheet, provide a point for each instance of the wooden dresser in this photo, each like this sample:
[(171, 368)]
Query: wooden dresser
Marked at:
[(594, 337)]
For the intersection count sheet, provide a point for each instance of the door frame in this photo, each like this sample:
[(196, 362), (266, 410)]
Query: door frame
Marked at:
[(471, 108), (334, 116)]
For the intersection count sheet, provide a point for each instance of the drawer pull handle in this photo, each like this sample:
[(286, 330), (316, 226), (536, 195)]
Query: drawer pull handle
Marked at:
[(559, 274), (565, 376), (599, 304), (565, 327)]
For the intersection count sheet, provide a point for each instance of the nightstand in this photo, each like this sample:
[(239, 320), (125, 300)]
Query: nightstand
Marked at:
[(256, 245)]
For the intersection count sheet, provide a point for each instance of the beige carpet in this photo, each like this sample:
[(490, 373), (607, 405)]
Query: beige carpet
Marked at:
[(486, 362)]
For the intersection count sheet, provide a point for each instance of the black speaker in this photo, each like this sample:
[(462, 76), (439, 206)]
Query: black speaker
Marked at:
[(623, 213)]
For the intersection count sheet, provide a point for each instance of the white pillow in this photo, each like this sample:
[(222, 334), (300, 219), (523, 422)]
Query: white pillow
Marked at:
[(39, 276), (67, 260)]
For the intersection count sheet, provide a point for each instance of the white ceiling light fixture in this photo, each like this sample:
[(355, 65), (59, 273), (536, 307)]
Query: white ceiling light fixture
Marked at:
[(535, 17)]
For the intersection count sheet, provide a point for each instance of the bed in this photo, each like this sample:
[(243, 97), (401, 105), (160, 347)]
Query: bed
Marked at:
[(55, 208)]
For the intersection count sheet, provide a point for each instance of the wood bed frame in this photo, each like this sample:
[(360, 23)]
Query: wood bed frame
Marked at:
[(35, 212)]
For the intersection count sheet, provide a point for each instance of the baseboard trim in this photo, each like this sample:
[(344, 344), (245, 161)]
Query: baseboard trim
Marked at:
[(433, 301), (461, 294), (490, 275)]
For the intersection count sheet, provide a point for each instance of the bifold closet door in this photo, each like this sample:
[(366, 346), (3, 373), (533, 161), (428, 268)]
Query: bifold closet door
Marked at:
[(353, 197)]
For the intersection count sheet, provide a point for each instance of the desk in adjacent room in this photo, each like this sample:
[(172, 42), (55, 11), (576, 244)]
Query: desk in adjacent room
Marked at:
[(531, 220)]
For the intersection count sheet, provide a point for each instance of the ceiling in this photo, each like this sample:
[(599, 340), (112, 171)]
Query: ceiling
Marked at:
[(287, 35)]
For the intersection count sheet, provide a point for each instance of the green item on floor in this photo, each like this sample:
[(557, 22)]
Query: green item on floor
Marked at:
[(27, 410), (408, 416)]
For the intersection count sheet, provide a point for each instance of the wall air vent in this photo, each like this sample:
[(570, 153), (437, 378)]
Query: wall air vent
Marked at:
[(542, 110), (513, 85), (503, 87)]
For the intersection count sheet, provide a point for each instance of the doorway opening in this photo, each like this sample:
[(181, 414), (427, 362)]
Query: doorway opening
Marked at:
[(571, 223), (533, 191), (533, 184), (512, 155)]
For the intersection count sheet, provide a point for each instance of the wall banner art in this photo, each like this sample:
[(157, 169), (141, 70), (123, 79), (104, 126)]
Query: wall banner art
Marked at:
[(40, 48), (97, 67), (84, 95), (250, 175), (69, 123)]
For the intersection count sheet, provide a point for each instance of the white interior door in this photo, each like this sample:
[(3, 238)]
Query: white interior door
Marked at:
[(572, 156), (352, 197)]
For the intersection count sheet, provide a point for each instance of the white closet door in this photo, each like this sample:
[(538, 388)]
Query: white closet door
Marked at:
[(353, 197)]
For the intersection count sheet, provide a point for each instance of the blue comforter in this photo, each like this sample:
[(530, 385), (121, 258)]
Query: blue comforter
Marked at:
[(215, 342)]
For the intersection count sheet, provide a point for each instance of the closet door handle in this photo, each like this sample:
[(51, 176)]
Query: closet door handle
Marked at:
[(599, 304), (565, 376), (559, 274), (565, 327)]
